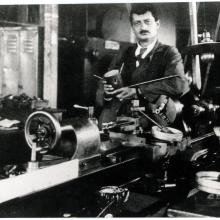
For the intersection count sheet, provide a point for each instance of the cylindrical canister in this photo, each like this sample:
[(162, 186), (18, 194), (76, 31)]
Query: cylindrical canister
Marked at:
[(114, 79), (72, 138)]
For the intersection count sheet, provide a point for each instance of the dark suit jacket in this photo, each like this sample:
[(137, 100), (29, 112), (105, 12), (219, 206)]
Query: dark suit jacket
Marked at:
[(162, 61)]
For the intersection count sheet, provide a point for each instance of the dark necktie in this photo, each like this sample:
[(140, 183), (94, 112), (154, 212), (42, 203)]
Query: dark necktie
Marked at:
[(142, 50)]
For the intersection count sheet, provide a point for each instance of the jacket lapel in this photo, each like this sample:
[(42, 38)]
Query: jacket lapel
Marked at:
[(141, 73)]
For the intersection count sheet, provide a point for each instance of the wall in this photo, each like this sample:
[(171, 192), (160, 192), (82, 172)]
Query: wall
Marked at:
[(72, 20), (116, 25), (167, 32), (111, 21)]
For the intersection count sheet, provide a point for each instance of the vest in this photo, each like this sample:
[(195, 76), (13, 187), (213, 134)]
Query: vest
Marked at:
[(151, 67)]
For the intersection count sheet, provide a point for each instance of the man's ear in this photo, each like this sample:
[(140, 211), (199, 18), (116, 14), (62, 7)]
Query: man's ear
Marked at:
[(158, 24)]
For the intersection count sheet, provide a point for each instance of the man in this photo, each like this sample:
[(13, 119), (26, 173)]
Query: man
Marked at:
[(147, 60)]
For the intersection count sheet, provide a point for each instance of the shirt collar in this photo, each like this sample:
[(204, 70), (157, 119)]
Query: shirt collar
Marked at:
[(148, 50)]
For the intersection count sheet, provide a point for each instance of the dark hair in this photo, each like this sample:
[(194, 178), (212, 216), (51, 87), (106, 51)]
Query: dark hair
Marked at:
[(140, 9)]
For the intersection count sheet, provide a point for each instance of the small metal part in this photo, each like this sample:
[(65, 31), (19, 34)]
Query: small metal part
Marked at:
[(111, 159), (199, 154), (108, 125), (208, 181), (169, 185), (80, 107), (32, 165), (197, 110), (66, 215), (98, 77), (217, 131), (112, 195), (118, 194)]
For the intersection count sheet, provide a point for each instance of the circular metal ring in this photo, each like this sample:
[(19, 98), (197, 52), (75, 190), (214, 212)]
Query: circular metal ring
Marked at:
[(208, 181), (53, 121)]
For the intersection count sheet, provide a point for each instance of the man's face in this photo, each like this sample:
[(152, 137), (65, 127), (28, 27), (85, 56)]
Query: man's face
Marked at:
[(145, 27)]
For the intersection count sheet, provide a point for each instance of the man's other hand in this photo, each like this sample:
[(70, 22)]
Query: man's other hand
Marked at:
[(125, 93)]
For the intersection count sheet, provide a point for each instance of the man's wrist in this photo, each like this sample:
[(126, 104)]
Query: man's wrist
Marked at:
[(138, 92)]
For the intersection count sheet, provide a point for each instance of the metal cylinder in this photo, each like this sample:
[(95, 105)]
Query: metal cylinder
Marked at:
[(113, 78), (73, 138)]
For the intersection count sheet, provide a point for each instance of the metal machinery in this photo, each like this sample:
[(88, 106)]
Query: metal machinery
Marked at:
[(129, 171), (63, 151), (120, 170), (77, 138), (77, 169), (73, 168)]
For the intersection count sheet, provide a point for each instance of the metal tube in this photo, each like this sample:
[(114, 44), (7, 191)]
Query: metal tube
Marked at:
[(152, 81), (154, 122), (33, 152), (194, 40), (202, 137), (98, 77)]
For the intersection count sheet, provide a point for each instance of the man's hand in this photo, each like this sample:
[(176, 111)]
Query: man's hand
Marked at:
[(108, 89), (125, 93)]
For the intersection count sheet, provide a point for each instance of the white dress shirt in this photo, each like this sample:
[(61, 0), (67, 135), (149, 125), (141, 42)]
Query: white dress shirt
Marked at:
[(146, 52)]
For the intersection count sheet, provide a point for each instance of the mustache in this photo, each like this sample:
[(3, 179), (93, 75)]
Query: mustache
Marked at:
[(144, 32)]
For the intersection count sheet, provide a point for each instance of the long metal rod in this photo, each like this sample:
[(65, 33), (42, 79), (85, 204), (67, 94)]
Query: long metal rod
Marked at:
[(98, 77), (129, 182), (145, 82), (105, 208), (202, 137), (80, 107), (196, 72), (154, 122), (152, 81), (189, 39)]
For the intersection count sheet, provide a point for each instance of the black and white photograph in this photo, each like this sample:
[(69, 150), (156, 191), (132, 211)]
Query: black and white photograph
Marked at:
[(109, 109)]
